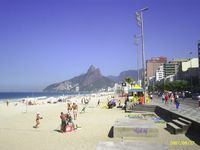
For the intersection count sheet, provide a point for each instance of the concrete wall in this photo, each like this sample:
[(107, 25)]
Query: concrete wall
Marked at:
[(165, 114)]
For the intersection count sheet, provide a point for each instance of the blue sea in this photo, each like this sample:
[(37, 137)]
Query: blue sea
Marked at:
[(16, 96)]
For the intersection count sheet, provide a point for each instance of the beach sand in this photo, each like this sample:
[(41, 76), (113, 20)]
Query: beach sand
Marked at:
[(17, 132)]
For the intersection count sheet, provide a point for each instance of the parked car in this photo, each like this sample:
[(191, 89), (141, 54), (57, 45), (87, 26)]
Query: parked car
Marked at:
[(196, 96)]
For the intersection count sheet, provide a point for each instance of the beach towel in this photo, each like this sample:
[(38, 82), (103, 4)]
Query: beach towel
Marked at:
[(68, 128)]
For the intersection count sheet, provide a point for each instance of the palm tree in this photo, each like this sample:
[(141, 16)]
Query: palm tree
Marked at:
[(129, 80)]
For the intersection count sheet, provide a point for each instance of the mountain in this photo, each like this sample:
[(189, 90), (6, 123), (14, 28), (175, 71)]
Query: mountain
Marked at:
[(129, 73), (92, 80)]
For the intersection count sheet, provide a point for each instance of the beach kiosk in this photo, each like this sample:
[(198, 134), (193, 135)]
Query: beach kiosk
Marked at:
[(134, 93), (136, 89)]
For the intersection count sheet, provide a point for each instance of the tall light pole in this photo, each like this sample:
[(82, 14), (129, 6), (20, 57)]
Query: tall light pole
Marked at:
[(140, 22), (138, 56), (190, 70)]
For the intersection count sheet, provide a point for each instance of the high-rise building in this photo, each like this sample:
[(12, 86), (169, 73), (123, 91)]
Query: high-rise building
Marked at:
[(170, 69), (160, 73), (153, 64), (189, 64)]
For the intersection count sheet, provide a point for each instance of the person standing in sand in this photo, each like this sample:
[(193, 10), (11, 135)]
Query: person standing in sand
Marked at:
[(69, 108), (63, 118), (98, 103), (75, 110), (38, 117), (7, 102)]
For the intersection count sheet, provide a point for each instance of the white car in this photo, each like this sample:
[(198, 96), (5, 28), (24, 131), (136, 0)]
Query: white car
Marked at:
[(196, 96)]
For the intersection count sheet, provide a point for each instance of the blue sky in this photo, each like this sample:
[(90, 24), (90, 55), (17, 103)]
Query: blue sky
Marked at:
[(48, 41)]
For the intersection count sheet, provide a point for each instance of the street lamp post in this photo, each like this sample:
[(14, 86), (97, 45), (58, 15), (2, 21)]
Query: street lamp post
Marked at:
[(190, 70), (138, 56), (140, 21)]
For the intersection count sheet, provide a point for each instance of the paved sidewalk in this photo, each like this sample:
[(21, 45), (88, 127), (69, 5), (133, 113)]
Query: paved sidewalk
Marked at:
[(184, 110)]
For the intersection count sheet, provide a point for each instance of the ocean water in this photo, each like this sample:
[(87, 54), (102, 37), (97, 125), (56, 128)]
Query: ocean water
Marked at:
[(15, 96)]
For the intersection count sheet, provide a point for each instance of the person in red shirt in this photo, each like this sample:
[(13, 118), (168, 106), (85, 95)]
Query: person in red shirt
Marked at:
[(166, 98)]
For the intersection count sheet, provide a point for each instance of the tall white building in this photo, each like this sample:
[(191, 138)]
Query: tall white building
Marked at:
[(160, 73), (191, 63)]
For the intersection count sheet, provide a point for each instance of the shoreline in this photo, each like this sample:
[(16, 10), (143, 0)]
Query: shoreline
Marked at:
[(43, 95)]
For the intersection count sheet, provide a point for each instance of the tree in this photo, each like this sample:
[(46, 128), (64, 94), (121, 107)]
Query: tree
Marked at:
[(159, 86), (178, 85), (129, 80)]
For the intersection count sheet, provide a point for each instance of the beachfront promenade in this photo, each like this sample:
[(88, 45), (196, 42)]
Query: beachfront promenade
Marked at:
[(163, 140), (188, 111)]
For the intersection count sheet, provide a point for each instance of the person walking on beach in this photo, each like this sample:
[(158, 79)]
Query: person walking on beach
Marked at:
[(119, 102), (38, 117), (69, 108), (75, 110)]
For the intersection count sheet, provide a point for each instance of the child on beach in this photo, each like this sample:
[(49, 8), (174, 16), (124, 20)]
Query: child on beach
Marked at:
[(69, 121), (38, 117)]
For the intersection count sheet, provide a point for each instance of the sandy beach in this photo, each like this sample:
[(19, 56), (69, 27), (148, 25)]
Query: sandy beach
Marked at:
[(17, 132)]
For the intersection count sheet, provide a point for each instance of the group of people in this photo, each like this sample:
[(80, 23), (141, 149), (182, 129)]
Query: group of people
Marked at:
[(138, 98), (66, 119), (172, 97), (69, 117), (72, 109)]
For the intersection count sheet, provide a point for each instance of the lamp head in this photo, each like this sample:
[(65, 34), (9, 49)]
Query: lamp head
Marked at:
[(143, 9)]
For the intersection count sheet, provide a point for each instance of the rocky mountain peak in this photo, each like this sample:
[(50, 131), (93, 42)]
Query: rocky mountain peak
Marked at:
[(91, 69), (92, 80)]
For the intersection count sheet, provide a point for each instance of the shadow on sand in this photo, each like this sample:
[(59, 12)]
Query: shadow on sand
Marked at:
[(110, 133), (56, 130)]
